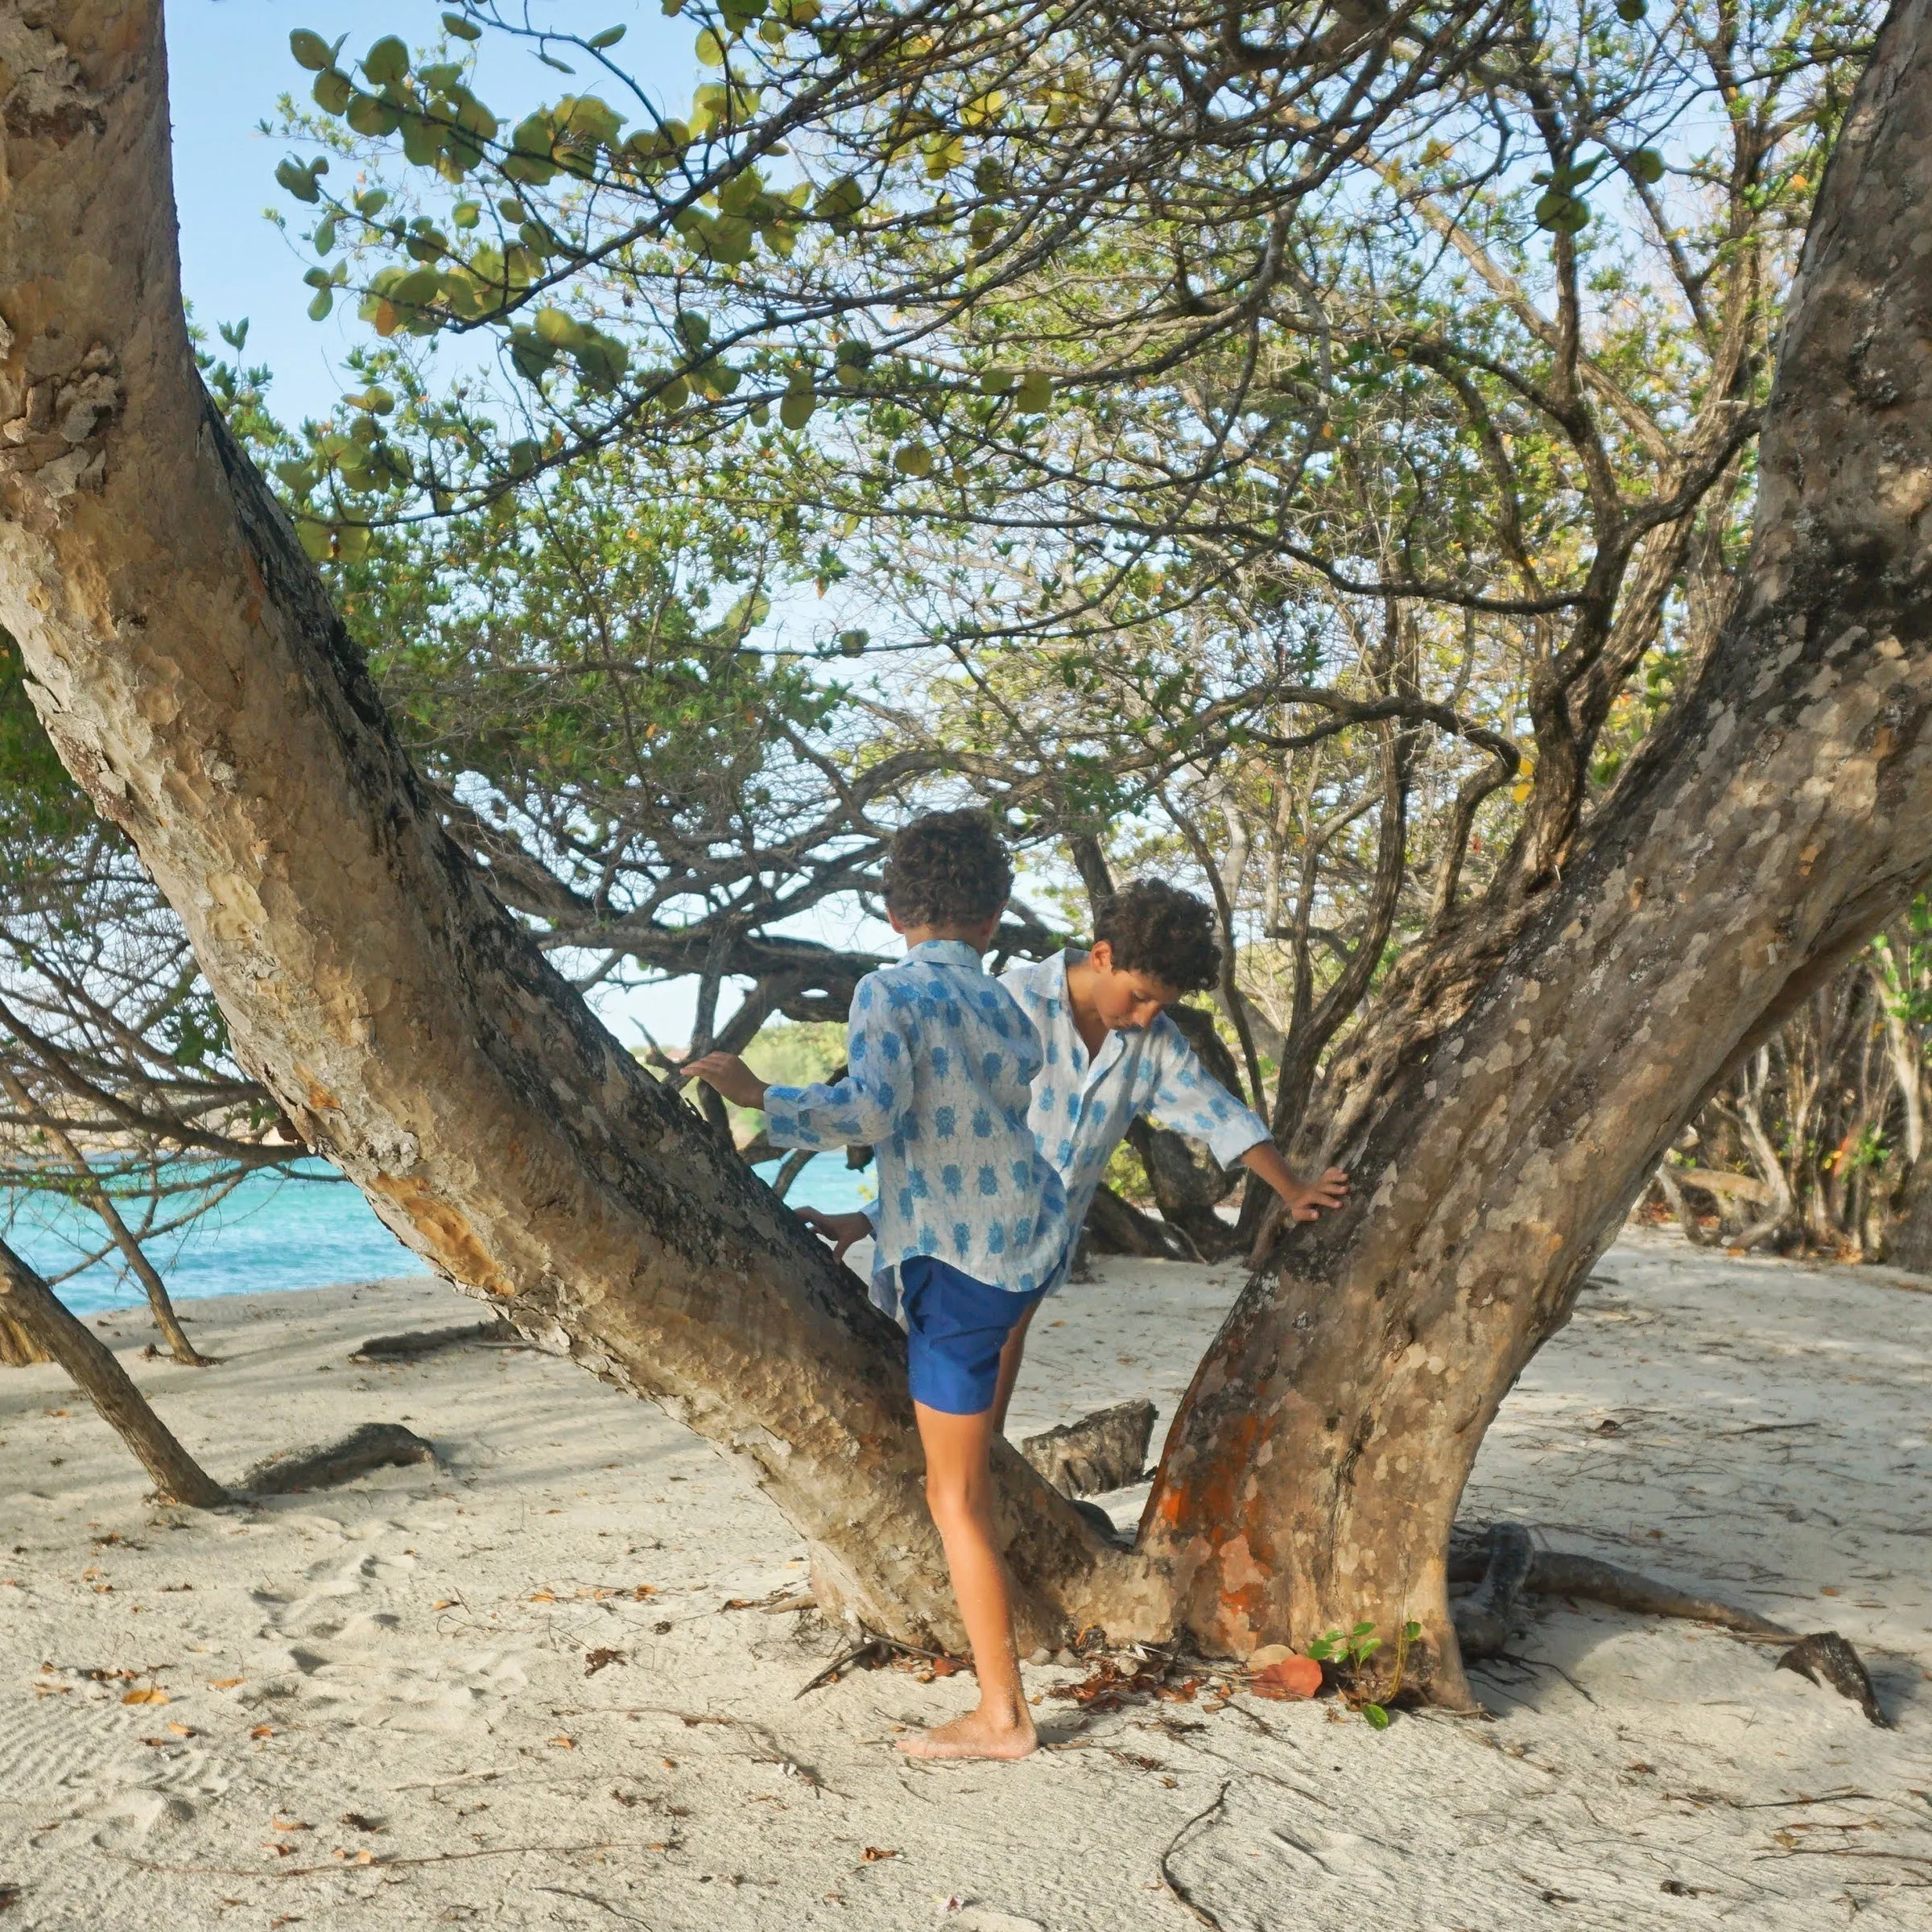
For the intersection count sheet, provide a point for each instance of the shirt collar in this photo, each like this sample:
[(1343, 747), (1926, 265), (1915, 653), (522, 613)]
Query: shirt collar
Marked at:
[(946, 952)]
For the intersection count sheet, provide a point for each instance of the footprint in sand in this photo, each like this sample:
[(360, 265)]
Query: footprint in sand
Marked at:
[(127, 1818)]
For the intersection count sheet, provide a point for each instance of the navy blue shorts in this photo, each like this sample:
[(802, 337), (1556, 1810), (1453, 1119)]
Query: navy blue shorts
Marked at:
[(955, 1327)]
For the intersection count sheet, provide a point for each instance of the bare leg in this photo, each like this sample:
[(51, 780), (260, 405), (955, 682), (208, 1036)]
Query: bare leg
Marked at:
[(1009, 1369), (959, 1490)]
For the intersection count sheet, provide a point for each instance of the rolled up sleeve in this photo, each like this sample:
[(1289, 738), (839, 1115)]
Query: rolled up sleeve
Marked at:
[(1187, 1099), (862, 1106)]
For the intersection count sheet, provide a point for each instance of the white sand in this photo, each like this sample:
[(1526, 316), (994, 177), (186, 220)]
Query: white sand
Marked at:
[(411, 1650)]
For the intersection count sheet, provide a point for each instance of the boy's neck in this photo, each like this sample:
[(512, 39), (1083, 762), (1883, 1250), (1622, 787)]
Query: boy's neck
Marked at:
[(978, 936), (1080, 977)]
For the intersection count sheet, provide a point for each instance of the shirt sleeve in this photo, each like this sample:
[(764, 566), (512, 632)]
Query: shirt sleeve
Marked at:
[(1187, 1099), (861, 1107)]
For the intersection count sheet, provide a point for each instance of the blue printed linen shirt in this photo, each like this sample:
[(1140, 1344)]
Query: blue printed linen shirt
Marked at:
[(1080, 1113), (940, 1059)]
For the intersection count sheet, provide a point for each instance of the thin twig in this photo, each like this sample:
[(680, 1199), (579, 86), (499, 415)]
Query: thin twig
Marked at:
[(1174, 1844), (351, 1864), (590, 1898)]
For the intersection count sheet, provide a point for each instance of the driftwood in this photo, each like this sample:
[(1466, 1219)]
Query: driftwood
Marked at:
[(408, 1347), (375, 1445), (1105, 1451), (1501, 1561)]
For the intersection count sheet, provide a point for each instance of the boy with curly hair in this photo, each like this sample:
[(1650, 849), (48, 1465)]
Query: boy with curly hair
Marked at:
[(1112, 1055), (971, 1216)]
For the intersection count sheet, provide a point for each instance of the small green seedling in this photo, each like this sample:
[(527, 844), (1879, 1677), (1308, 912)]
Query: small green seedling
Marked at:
[(1349, 1652)]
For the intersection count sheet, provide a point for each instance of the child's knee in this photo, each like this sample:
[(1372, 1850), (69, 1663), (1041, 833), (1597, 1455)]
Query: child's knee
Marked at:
[(955, 1495)]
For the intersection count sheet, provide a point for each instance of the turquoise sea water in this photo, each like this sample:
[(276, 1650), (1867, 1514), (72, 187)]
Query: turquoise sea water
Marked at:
[(272, 1235)]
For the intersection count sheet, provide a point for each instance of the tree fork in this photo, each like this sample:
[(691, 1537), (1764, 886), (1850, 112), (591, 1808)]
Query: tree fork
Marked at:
[(183, 654), (1501, 1120)]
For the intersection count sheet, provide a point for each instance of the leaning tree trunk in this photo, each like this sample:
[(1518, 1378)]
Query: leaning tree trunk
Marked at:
[(59, 1335), (1503, 1115), (184, 658)]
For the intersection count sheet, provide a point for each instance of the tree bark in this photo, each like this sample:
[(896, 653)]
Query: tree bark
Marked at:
[(27, 1300), (1506, 1107), (184, 656)]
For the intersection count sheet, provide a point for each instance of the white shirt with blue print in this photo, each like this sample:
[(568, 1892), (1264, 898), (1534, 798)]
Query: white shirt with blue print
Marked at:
[(940, 1060), (1081, 1113)]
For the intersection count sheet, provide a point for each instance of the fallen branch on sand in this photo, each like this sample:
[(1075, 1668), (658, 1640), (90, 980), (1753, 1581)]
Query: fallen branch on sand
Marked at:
[(375, 1445), (412, 1346), (1107, 1449)]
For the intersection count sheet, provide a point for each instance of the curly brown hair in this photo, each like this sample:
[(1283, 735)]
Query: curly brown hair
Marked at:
[(947, 869), (1155, 928)]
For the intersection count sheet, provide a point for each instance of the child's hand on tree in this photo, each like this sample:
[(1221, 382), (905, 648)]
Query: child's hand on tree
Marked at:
[(1306, 1199), (841, 1230), (729, 1075)]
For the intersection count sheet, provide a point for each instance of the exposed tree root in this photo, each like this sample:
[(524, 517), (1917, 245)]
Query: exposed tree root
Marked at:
[(1501, 1561), (1827, 1659), (375, 1445)]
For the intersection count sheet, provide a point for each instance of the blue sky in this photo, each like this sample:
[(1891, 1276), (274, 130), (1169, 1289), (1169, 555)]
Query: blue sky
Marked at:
[(229, 63)]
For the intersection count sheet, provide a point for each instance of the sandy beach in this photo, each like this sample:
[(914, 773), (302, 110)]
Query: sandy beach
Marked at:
[(552, 1681)]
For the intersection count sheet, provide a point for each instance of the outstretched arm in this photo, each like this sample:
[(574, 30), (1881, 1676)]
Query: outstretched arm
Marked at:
[(1304, 1199)]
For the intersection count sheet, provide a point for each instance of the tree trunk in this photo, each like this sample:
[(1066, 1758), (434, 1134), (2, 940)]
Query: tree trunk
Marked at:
[(17, 1348), (184, 656), (62, 1337), (1507, 1106)]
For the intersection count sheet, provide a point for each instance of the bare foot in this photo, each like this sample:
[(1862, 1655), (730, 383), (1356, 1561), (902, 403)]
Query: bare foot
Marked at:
[(974, 1736)]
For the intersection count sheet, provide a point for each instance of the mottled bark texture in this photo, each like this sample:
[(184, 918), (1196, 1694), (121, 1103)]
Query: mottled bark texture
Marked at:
[(185, 660), (1502, 1113)]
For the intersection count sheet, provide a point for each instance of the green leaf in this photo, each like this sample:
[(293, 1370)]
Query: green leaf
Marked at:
[(1631, 11), (1562, 213), (1412, 1631), (711, 49), (324, 301), (1035, 395), (610, 36), (1647, 164), (800, 403), (840, 201), (298, 179), (332, 91), (853, 643), (463, 30), (310, 50), (552, 60), (372, 202), (370, 114), (325, 235), (466, 214), (387, 60), (1377, 1717)]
